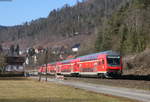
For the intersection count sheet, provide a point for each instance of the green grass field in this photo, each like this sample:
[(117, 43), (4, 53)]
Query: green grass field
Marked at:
[(34, 91)]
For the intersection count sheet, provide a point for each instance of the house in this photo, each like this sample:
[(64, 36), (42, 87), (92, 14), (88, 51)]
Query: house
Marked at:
[(76, 47)]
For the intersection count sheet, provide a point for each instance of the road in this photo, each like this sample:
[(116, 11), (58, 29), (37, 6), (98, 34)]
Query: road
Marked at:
[(140, 95)]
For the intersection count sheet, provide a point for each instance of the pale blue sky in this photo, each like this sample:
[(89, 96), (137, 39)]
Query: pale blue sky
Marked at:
[(20, 11)]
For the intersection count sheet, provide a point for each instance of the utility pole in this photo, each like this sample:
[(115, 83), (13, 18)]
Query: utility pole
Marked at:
[(46, 62), (40, 74)]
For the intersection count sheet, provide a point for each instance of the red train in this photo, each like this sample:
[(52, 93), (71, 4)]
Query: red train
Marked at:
[(102, 64)]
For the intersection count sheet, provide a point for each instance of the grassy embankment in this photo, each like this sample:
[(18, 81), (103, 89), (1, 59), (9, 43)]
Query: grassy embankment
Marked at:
[(34, 91)]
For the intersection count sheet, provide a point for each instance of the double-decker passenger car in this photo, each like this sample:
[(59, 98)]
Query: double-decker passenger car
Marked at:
[(42, 69), (103, 64), (52, 68)]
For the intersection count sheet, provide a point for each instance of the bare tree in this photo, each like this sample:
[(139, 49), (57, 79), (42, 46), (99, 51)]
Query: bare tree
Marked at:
[(2, 63)]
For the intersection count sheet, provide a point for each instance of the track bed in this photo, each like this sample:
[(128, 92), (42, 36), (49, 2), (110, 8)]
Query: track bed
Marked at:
[(127, 82)]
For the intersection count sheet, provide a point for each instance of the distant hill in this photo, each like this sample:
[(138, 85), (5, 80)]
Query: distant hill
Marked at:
[(97, 25), (2, 27), (61, 24)]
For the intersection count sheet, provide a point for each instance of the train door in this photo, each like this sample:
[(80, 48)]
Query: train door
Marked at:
[(53, 69), (58, 68), (95, 65), (79, 65), (101, 65), (92, 66), (72, 67), (48, 68)]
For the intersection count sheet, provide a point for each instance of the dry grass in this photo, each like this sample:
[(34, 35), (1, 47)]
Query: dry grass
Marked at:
[(137, 64), (34, 91)]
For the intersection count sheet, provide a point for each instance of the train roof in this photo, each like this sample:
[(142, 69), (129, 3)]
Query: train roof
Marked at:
[(95, 55), (52, 63), (67, 61), (87, 57)]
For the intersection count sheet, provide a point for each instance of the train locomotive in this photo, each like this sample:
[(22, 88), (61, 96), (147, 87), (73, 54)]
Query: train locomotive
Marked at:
[(102, 64)]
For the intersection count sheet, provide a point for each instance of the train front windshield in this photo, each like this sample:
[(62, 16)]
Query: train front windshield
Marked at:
[(113, 61)]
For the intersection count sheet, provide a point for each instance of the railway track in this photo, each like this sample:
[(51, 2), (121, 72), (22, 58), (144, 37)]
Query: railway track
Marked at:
[(136, 83)]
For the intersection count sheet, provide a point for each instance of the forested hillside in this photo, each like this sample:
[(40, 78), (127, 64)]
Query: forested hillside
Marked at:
[(127, 30), (95, 25), (61, 24), (98, 25)]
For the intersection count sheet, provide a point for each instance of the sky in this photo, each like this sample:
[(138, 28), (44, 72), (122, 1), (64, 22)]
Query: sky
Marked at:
[(14, 12)]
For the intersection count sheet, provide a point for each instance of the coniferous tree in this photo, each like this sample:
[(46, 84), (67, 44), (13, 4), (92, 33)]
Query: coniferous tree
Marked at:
[(17, 49), (12, 50), (1, 48)]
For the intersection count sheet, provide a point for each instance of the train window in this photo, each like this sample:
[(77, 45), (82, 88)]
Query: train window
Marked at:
[(102, 61), (113, 61)]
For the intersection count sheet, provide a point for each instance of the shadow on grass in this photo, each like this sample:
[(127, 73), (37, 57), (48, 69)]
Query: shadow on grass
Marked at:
[(12, 74), (49, 100), (13, 78)]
